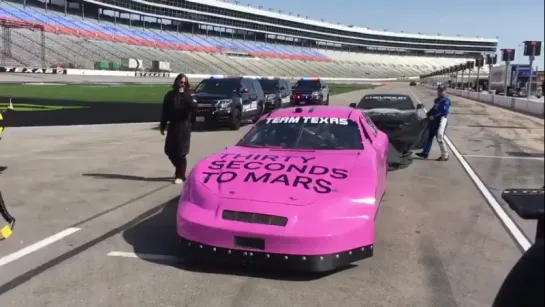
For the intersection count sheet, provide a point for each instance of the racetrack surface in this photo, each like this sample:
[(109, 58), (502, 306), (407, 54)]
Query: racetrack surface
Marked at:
[(104, 191)]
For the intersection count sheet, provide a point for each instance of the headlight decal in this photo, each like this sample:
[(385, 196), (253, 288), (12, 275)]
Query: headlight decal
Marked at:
[(270, 98), (224, 103)]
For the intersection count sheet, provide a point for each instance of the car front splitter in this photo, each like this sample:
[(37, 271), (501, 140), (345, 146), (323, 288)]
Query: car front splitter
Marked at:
[(261, 259)]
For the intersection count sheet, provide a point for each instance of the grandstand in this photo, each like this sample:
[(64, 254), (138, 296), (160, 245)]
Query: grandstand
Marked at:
[(215, 37)]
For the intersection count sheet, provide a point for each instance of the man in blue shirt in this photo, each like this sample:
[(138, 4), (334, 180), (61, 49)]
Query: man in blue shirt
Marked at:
[(438, 124)]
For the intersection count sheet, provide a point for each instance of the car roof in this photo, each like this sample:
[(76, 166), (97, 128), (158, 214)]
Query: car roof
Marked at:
[(310, 79), (388, 94), (318, 111), (223, 78)]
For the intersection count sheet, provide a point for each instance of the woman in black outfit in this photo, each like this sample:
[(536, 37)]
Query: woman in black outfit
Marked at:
[(179, 110)]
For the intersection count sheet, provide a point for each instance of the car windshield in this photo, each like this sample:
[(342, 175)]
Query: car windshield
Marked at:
[(307, 85), (268, 85), (218, 86), (386, 102), (306, 132)]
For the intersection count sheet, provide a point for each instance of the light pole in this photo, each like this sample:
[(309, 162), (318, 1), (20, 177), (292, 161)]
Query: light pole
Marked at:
[(531, 50), (507, 56)]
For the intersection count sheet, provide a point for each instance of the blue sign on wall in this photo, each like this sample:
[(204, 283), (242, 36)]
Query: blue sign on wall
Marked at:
[(523, 71), (526, 73)]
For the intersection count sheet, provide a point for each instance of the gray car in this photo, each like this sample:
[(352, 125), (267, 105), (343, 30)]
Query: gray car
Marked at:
[(387, 111), (403, 120)]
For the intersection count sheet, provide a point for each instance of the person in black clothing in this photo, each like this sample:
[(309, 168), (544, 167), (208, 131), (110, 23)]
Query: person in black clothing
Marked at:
[(5, 231), (179, 110)]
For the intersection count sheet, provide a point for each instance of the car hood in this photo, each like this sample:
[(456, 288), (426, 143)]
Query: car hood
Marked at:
[(304, 91), (207, 97), (387, 111), (281, 176), (391, 117)]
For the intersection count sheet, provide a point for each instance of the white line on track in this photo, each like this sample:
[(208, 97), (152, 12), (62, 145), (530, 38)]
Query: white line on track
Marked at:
[(506, 220), (504, 157), (144, 256), (37, 246)]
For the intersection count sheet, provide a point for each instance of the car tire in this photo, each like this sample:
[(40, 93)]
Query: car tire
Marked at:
[(259, 113), (236, 120)]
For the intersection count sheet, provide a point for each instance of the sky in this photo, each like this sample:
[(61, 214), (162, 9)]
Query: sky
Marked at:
[(512, 21)]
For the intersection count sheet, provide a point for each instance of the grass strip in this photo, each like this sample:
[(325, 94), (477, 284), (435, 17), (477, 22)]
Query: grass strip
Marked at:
[(141, 93)]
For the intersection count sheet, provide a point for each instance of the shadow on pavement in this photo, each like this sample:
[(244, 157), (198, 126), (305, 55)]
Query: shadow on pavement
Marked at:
[(156, 235), (128, 177), (202, 128), (30, 112), (469, 113), (496, 127), (196, 128)]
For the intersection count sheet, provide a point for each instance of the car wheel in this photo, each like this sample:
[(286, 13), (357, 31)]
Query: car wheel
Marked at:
[(236, 120), (259, 113)]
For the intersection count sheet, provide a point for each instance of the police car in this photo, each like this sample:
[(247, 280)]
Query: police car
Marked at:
[(310, 91), (277, 92), (228, 100)]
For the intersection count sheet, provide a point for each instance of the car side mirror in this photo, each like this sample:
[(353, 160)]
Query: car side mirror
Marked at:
[(419, 106), (353, 105), (282, 88)]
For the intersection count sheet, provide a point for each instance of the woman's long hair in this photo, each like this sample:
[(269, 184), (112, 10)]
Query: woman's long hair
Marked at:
[(176, 84)]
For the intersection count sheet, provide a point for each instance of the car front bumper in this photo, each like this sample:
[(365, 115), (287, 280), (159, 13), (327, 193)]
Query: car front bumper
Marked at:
[(270, 106), (214, 116), (205, 236), (302, 100)]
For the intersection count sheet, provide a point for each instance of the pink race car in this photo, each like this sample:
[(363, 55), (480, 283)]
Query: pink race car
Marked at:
[(301, 190)]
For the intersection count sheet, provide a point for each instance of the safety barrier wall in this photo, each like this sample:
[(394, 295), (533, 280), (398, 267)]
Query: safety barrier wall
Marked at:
[(110, 73), (522, 105), (83, 72)]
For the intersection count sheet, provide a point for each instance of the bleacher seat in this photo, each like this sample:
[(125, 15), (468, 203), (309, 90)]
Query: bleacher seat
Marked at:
[(82, 42)]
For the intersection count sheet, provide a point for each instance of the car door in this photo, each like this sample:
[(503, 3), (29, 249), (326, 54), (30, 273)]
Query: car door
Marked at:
[(259, 91), (375, 140), (249, 99), (285, 93), (259, 101), (382, 141)]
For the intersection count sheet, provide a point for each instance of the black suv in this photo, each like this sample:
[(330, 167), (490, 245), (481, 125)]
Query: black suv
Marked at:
[(228, 101), (277, 93), (412, 83), (310, 91)]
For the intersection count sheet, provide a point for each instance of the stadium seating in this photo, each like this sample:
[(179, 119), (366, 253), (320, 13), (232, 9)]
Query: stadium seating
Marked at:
[(70, 39)]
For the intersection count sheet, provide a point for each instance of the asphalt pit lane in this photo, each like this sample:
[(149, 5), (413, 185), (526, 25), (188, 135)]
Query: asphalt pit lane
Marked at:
[(521, 154), (497, 127)]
